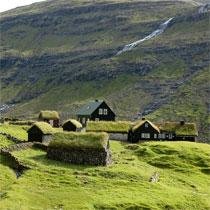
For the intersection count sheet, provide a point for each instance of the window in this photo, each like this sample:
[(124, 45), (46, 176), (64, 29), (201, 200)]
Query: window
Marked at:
[(155, 136), (161, 136), (83, 120), (170, 135), (105, 111), (100, 111), (145, 135), (146, 125)]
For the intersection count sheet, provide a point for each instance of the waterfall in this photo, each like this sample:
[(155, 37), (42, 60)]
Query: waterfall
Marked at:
[(155, 33)]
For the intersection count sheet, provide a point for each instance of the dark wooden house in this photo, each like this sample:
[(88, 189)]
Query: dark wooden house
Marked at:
[(95, 111), (169, 131), (40, 132), (51, 117), (180, 131), (142, 131), (72, 125)]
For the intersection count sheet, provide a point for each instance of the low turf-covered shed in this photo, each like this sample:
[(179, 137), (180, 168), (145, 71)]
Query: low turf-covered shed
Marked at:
[(40, 132), (80, 148), (51, 117), (72, 125)]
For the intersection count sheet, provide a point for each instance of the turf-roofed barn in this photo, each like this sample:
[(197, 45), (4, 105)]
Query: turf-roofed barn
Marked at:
[(72, 125), (51, 117), (117, 130), (170, 131), (95, 111), (40, 132), (80, 148)]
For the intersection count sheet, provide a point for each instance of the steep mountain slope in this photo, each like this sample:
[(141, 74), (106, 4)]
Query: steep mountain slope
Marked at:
[(58, 55)]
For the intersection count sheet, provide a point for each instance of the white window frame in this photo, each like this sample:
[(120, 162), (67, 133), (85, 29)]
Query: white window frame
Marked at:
[(145, 135), (155, 135), (105, 111), (146, 125), (161, 135), (83, 120), (100, 111)]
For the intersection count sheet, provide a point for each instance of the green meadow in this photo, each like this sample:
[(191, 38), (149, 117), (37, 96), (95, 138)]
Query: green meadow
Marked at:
[(184, 169)]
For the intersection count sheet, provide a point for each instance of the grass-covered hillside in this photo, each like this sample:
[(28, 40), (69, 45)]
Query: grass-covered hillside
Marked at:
[(184, 170), (59, 54)]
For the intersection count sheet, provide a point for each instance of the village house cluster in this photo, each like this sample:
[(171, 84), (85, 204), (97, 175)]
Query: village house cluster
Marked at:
[(95, 125)]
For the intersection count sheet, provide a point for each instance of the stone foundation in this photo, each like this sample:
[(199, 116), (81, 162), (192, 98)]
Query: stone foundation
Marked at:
[(80, 156)]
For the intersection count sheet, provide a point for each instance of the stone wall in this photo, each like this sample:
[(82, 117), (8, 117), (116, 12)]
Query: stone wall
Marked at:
[(118, 136), (13, 162), (46, 139), (80, 156)]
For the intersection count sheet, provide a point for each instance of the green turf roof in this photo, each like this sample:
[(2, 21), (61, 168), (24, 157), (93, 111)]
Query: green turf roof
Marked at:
[(188, 129), (90, 107), (49, 115), (89, 140), (74, 122), (141, 122), (44, 127), (109, 126)]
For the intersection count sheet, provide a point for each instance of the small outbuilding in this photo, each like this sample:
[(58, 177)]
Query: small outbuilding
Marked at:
[(72, 125), (40, 132), (97, 110), (51, 117), (80, 148)]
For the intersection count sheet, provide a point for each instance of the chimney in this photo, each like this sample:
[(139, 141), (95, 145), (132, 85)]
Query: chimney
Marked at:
[(182, 122), (143, 118), (96, 100)]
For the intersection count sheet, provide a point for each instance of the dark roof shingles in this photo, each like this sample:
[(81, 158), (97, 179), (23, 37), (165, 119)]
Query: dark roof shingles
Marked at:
[(89, 108)]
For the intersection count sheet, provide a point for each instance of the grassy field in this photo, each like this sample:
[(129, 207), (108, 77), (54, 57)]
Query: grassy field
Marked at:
[(4, 142), (184, 170), (17, 131)]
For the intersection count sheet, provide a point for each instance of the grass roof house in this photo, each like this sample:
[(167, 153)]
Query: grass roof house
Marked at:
[(95, 111), (117, 130), (180, 130), (80, 148), (51, 117), (146, 130), (40, 132), (72, 125), (143, 130)]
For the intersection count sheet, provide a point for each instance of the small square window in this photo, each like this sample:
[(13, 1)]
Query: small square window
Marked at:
[(146, 125)]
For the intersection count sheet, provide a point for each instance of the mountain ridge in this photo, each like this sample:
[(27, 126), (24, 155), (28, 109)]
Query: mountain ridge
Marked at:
[(72, 51)]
